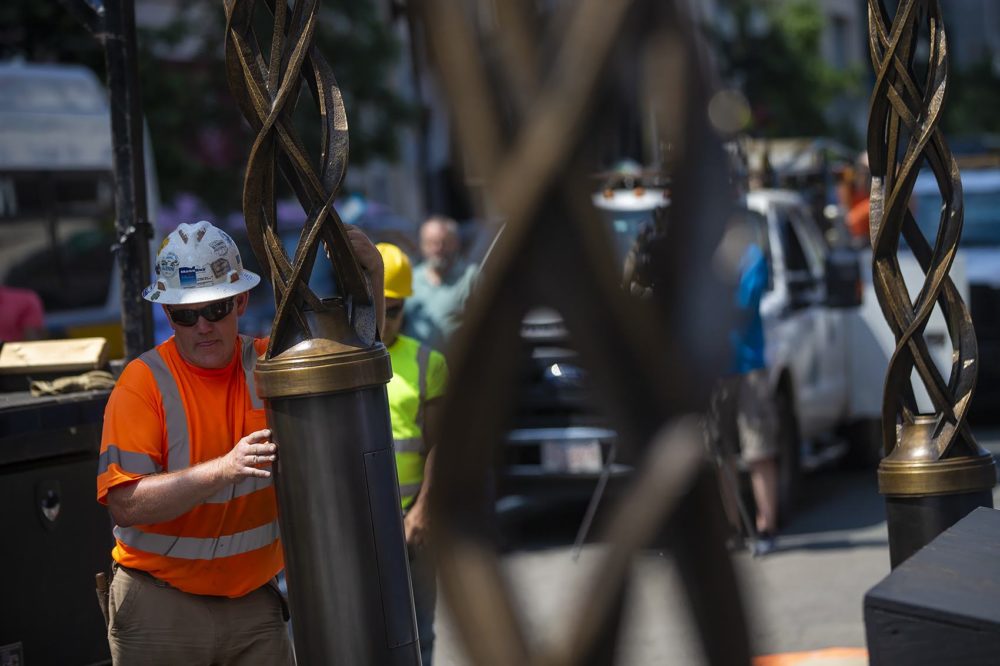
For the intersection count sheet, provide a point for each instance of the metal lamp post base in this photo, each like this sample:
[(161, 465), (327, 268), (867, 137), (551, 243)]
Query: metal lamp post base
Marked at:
[(926, 494), (916, 521), (338, 498)]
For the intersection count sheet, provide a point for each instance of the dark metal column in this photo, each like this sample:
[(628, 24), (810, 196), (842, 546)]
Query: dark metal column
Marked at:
[(324, 374), (337, 491), (934, 471), (113, 23)]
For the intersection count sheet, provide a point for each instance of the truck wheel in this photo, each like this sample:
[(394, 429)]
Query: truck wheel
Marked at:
[(789, 455), (864, 444)]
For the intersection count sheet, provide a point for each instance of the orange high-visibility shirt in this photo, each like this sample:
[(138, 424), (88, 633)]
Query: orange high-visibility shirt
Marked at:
[(859, 219), (166, 415)]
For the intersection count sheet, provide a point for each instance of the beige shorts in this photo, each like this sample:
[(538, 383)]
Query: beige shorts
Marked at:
[(154, 623), (744, 416)]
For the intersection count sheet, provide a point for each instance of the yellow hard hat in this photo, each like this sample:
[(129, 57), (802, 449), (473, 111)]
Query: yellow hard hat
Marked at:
[(398, 272)]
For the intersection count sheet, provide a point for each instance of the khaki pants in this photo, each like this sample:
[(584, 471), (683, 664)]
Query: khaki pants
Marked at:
[(154, 623)]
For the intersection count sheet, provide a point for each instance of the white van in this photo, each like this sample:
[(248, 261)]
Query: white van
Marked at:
[(57, 197)]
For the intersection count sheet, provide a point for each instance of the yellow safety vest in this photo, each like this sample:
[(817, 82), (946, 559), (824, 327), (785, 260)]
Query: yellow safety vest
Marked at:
[(419, 374)]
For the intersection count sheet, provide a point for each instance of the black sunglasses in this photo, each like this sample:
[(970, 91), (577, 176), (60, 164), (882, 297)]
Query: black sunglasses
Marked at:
[(212, 312), (394, 311)]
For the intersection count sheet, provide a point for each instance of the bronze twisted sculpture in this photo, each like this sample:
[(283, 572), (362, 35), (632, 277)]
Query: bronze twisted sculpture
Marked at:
[(933, 471), (324, 374)]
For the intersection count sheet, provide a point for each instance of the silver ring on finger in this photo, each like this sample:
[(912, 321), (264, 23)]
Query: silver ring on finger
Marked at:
[(255, 459)]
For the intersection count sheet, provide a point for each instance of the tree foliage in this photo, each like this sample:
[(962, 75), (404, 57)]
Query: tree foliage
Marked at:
[(772, 52), (973, 100), (200, 140)]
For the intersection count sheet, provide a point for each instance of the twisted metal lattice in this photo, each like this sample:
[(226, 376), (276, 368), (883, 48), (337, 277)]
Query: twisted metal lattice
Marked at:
[(267, 91), (903, 133), (526, 116)]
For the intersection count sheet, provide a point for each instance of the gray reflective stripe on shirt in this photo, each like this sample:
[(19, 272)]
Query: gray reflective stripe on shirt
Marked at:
[(409, 490), (409, 445), (249, 363), (251, 484), (178, 453), (129, 461), (195, 548)]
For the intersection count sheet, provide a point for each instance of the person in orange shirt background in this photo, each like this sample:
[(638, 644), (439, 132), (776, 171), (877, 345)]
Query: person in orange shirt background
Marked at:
[(853, 192), (185, 471)]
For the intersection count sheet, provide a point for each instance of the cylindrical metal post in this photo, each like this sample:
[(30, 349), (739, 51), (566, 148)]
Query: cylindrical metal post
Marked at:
[(338, 498), (324, 373), (916, 521), (131, 223)]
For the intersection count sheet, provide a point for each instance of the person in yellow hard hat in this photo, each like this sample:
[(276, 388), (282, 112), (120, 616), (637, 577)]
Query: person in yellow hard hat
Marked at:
[(419, 375)]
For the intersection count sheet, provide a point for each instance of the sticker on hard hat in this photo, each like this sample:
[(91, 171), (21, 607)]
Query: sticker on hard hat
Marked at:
[(189, 276), (219, 247), (220, 267), (168, 265)]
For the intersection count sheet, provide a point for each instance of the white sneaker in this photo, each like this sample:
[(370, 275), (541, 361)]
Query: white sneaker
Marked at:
[(763, 545)]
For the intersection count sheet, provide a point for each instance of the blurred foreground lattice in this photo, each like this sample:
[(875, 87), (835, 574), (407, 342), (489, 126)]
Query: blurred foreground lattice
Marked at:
[(527, 105)]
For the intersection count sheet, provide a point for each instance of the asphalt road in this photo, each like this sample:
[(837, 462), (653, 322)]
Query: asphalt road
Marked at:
[(806, 595)]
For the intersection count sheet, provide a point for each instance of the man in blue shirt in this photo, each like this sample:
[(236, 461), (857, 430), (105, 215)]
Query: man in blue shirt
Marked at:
[(743, 405), (756, 419)]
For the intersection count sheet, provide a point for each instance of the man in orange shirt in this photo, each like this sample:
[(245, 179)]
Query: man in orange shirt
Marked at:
[(185, 470)]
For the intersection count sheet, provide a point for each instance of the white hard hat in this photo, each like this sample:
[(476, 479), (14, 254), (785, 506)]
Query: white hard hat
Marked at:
[(197, 263)]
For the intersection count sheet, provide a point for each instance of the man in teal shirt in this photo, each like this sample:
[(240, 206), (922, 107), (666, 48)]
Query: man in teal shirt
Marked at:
[(441, 284)]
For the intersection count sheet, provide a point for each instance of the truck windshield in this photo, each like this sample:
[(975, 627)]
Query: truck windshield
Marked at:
[(68, 264), (625, 227), (982, 217)]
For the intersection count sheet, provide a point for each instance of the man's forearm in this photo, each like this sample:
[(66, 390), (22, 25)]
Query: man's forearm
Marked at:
[(428, 481), (161, 497)]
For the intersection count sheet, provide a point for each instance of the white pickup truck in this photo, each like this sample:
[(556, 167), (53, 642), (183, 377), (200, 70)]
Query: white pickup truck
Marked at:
[(827, 348)]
